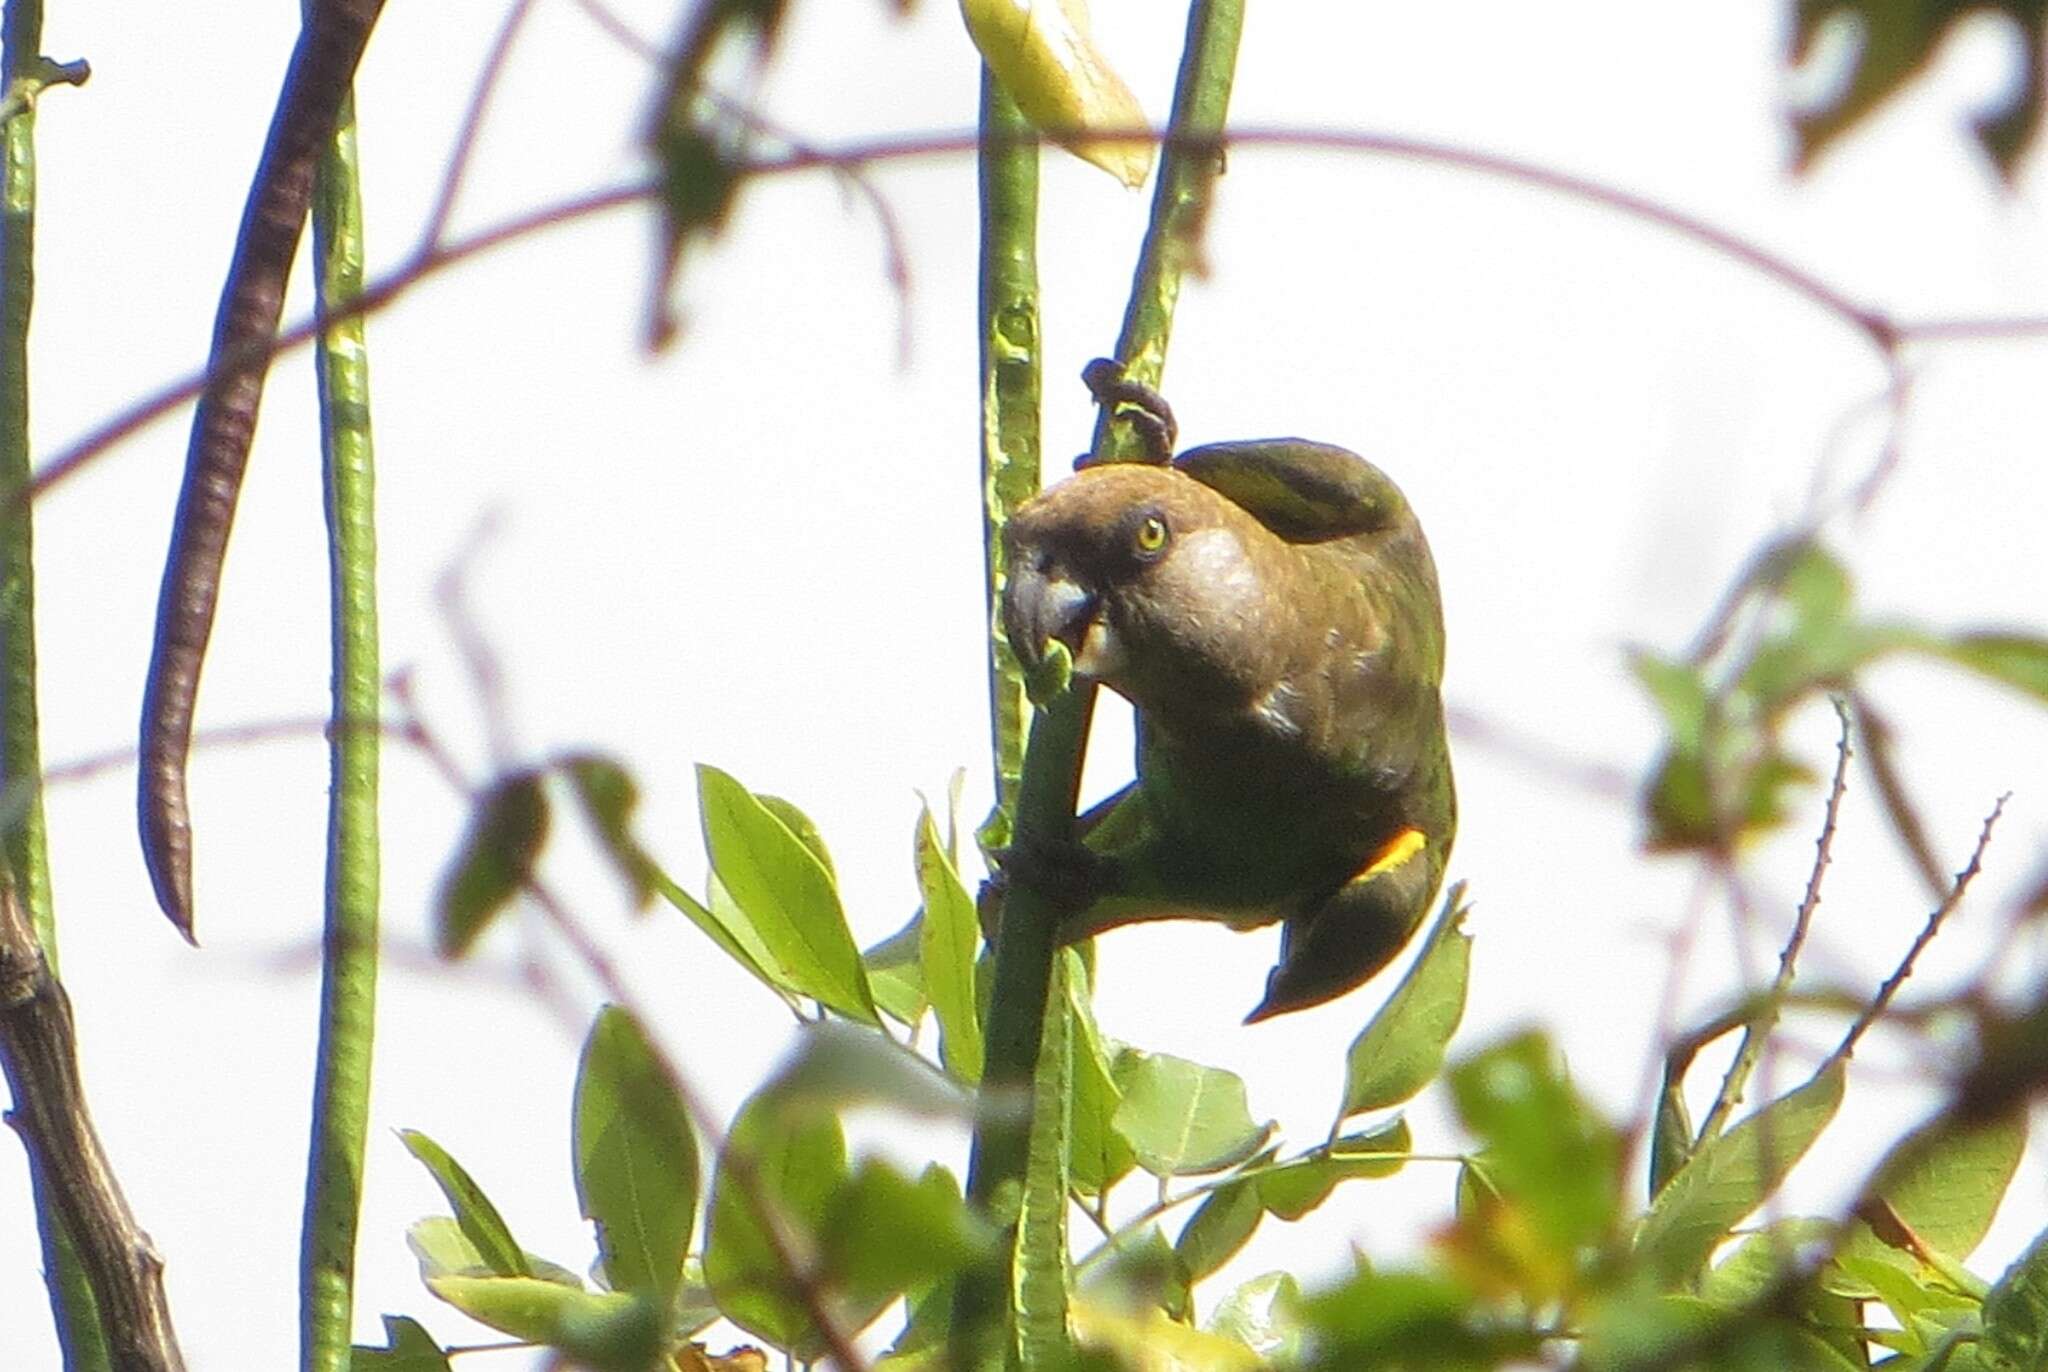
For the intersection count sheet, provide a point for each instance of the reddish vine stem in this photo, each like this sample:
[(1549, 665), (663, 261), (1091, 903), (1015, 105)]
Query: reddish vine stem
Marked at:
[(322, 69)]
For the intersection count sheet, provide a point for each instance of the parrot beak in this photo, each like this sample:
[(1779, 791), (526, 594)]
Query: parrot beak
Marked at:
[(1041, 605)]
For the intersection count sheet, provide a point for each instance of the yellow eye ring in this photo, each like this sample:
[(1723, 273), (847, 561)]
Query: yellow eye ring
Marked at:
[(1151, 535)]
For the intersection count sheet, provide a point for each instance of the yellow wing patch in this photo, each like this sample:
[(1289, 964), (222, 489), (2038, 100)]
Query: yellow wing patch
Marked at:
[(1398, 850)]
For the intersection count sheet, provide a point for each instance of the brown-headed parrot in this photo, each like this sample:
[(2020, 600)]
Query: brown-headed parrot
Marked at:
[(1270, 609)]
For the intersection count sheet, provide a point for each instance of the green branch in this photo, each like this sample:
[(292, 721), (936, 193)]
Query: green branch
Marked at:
[(348, 990), (1027, 941)]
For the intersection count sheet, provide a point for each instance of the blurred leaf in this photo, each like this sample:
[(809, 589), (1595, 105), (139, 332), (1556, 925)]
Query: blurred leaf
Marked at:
[(777, 878), (1731, 1175), (1047, 61), (833, 1066), (793, 1162), (1295, 1188), (884, 1234), (1876, 736), (1182, 1118), (895, 971), (1147, 1341), (1138, 1269), (1897, 39), (2016, 1313), (1552, 1156), (698, 140), (694, 1307), (609, 798), (1948, 1190), (1630, 1332), (636, 1159), (605, 1330), (507, 826), (1402, 1047), (1408, 1319), (1671, 1133), (478, 1218), (2016, 660), (1099, 1156), (1680, 694), (1761, 1258), (408, 1348), (946, 949), (1262, 1315)]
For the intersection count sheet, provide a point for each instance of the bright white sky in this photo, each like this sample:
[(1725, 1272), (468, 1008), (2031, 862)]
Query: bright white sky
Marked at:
[(761, 549)]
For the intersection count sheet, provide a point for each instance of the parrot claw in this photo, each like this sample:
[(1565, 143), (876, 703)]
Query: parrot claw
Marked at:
[(1068, 873)]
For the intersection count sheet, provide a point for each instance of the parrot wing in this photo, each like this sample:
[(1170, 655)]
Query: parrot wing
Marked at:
[(1305, 492)]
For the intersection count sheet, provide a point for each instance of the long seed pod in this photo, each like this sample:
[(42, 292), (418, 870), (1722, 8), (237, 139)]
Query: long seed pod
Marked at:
[(323, 67)]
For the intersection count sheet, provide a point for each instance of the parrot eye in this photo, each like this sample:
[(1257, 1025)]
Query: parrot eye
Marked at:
[(1150, 537)]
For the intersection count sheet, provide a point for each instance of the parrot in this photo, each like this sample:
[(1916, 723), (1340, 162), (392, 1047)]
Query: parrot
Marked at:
[(1270, 610)]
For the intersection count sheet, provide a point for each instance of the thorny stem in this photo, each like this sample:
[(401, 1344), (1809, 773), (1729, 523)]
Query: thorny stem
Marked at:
[(1756, 1032)]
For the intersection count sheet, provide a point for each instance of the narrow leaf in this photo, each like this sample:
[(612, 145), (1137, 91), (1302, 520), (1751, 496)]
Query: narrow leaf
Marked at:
[(1402, 1047), (946, 948), (481, 1223), (636, 1159), (1292, 1190), (835, 1065), (506, 829), (896, 973), (786, 892)]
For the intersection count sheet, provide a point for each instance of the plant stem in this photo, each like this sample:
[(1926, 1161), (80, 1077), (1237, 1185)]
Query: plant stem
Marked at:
[(348, 989), (1026, 941), (1011, 381), (72, 1302)]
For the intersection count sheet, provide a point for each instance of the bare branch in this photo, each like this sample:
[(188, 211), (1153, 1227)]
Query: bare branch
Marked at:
[(39, 1051)]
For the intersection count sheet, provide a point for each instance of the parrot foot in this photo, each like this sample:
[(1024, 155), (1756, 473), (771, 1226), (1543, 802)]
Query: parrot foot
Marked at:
[(1139, 405), (1067, 873)]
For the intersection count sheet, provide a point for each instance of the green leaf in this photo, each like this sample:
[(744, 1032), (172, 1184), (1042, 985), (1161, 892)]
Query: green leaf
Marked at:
[(1295, 1188), (1262, 1315), (1897, 40), (777, 878), (729, 930), (1947, 1190), (609, 798), (2016, 1313), (1402, 1048), (1223, 1223), (605, 1330), (946, 948), (1409, 1319), (1099, 1157), (896, 973), (833, 1066), (1548, 1151), (1183, 1118), (884, 1234), (793, 1162), (1731, 1175), (2015, 660), (1680, 693), (507, 827), (1761, 1258), (443, 1250), (636, 1159), (480, 1221), (408, 1348)]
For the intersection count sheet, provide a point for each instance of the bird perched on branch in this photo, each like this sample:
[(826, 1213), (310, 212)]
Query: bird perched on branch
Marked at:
[(1271, 610)]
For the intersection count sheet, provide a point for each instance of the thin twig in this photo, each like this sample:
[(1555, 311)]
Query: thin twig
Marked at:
[(1756, 1032), (859, 155), (1883, 999), (495, 61)]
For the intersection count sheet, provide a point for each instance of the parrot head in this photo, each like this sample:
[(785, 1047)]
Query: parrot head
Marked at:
[(1155, 584)]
